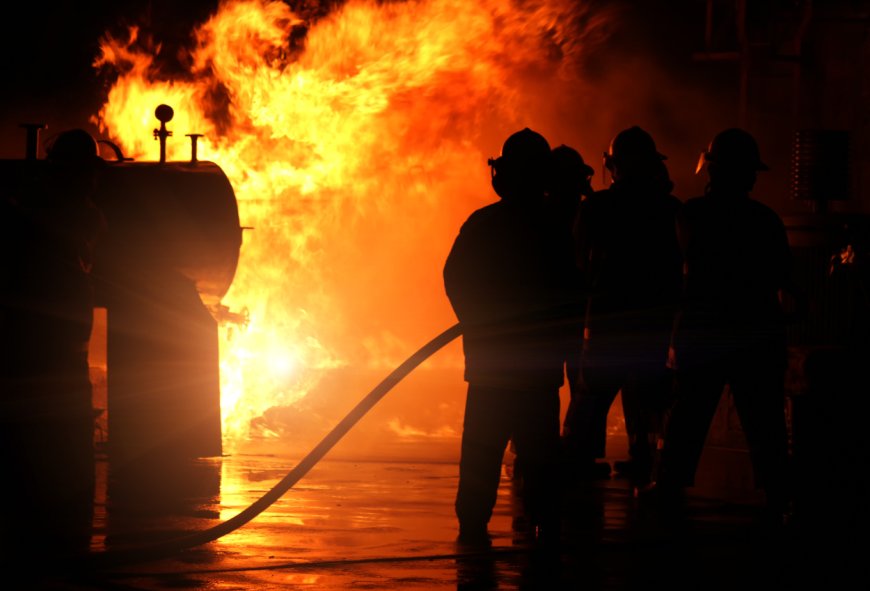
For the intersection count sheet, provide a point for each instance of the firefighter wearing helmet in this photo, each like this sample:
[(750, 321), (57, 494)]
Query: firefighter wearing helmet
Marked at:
[(507, 278), (570, 186), (735, 150), (630, 258), (731, 327)]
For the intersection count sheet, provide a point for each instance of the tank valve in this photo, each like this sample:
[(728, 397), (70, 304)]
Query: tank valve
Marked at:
[(164, 114), (33, 130), (193, 137)]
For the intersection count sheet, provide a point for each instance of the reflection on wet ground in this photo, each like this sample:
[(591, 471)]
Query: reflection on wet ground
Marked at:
[(360, 525)]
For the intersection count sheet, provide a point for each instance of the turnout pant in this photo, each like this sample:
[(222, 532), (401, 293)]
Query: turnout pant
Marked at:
[(757, 382), (493, 416), (647, 387)]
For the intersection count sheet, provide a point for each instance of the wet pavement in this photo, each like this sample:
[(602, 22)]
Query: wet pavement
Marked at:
[(361, 525)]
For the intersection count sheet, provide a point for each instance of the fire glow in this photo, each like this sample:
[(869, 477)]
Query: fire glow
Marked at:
[(354, 157)]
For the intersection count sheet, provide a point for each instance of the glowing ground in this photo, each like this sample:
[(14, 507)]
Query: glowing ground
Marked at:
[(391, 526)]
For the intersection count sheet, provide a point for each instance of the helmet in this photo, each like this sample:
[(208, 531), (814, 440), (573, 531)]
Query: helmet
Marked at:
[(571, 175), (523, 165), (734, 148), (566, 158), (632, 144), (523, 148), (75, 146)]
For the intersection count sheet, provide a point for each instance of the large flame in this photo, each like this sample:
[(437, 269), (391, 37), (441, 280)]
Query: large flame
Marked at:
[(354, 156)]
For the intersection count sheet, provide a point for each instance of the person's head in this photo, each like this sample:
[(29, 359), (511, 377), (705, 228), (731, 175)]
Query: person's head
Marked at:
[(75, 147), (633, 155), (75, 157), (571, 175), (524, 167), (733, 161)]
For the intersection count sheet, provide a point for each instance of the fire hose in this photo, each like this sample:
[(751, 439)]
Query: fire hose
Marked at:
[(175, 545)]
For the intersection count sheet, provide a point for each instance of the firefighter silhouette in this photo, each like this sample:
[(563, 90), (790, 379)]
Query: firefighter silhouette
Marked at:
[(628, 251), (508, 282), (731, 327), (570, 185)]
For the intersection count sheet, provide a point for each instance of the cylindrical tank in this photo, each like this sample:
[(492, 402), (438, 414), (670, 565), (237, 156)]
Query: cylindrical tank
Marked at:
[(181, 216), (168, 255)]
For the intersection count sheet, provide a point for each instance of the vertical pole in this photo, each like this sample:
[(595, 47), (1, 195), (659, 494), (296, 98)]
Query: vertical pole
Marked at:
[(743, 48), (708, 28), (32, 145)]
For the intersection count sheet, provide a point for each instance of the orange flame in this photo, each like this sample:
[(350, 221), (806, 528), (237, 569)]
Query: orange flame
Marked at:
[(355, 159)]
